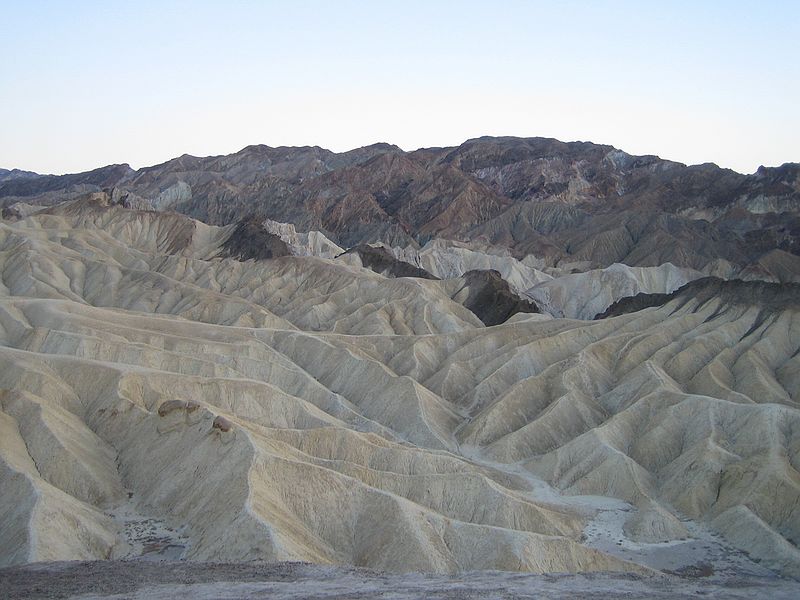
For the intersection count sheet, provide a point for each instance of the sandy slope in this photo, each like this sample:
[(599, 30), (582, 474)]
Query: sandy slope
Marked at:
[(299, 409)]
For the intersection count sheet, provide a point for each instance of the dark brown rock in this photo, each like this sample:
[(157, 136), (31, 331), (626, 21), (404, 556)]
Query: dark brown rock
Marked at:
[(491, 299), (249, 240), (382, 261)]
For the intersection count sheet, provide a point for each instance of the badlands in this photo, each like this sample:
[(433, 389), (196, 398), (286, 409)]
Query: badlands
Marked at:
[(258, 392)]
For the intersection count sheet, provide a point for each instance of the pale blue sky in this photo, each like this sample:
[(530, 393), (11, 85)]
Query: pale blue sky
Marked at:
[(83, 84)]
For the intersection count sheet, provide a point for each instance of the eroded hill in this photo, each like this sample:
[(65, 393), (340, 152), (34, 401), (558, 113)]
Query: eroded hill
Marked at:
[(302, 408)]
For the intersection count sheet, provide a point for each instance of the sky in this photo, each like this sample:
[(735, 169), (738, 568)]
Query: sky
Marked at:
[(85, 84)]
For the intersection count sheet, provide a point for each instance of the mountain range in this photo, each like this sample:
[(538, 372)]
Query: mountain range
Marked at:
[(514, 355), (567, 203)]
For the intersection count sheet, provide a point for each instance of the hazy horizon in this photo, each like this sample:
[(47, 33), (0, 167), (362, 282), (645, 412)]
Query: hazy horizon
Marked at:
[(91, 85)]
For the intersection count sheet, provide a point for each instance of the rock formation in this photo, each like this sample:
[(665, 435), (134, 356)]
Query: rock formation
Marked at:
[(380, 260), (302, 408), (388, 359)]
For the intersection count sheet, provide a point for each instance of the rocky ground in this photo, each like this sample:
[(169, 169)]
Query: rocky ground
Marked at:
[(183, 580)]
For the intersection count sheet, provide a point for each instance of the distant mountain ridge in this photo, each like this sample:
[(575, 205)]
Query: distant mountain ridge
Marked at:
[(6, 174), (575, 202)]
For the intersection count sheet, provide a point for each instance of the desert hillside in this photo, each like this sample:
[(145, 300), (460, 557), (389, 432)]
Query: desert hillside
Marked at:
[(253, 392)]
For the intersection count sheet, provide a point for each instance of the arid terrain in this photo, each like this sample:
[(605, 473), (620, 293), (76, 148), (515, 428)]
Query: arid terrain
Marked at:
[(135, 580), (515, 356)]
